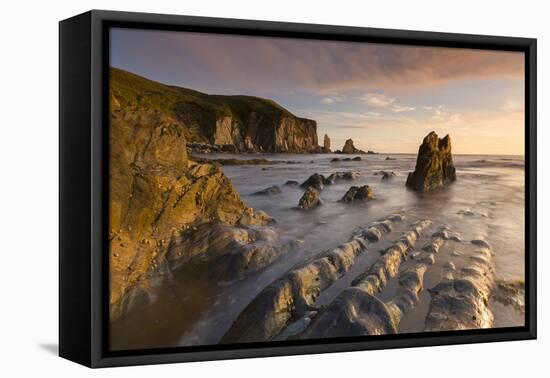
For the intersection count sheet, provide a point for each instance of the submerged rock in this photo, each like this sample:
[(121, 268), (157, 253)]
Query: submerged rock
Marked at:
[(446, 234), (434, 164), (292, 183), (386, 175), (315, 181), (310, 199), (274, 189), (345, 175), (358, 193)]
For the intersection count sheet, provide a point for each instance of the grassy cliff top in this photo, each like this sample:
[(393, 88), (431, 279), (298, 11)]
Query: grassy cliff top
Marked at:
[(133, 90)]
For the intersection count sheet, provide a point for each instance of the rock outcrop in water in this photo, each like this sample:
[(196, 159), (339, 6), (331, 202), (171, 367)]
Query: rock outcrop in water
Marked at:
[(274, 189), (326, 144), (216, 123), (315, 181), (310, 199), (358, 193), (349, 148), (434, 164), (338, 176), (159, 198), (318, 181)]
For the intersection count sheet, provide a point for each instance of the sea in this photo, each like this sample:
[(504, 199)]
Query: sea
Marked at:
[(487, 201)]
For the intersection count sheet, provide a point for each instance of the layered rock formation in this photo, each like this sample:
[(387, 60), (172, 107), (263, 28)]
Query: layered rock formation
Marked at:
[(463, 302), (159, 198), (290, 297), (434, 164), (357, 311), (219, 123)]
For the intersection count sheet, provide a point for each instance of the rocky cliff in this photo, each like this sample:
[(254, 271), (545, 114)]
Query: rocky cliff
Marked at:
[(160, 199), (228, 123), (434, 164)]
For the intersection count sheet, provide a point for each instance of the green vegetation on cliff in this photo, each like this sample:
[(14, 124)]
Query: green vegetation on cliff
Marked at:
[(250, 123)]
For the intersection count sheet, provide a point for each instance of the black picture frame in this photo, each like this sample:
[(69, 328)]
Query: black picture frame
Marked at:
[(83, 179)]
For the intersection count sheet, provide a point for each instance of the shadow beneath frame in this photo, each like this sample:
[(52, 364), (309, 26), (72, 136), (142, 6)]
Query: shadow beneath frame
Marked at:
[(51, 348)]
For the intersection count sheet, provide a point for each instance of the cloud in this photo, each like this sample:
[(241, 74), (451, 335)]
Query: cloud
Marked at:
[(402, 108), (377, 100), (248, 64), (331, 99), (381, 101), (373, 114)]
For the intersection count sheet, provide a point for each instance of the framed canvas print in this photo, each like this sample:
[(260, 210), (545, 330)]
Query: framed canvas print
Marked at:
[(234, 188)]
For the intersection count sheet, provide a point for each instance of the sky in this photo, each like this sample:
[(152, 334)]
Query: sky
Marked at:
[(385, 97)]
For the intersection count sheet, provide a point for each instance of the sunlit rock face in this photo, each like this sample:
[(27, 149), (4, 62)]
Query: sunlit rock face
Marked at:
[(434, 164), (326, 144), (159, 196)]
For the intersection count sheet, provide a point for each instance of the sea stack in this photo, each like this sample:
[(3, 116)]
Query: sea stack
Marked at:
[(349, 148), (434, 164), (326, 144)]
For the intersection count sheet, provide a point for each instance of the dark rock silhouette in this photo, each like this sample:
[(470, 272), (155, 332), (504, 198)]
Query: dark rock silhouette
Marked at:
[(315, 181), (434, 164), (387, 175), (268, 191), (360, 193), (337, 176)]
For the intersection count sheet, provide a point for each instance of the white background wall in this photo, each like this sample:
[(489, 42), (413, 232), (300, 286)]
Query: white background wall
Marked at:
[(29, 186)]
